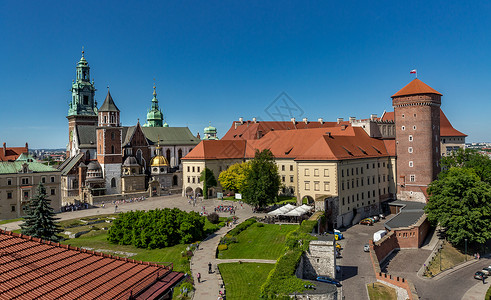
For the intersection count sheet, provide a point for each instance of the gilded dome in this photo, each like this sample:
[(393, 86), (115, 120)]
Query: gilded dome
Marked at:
[(159, 161)]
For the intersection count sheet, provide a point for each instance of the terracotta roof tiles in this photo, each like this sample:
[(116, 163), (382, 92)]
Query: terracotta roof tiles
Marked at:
[(415, 87), (34, 269)]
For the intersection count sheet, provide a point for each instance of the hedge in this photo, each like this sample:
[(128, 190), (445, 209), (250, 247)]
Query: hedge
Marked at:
[(241, 227), (281, 280)]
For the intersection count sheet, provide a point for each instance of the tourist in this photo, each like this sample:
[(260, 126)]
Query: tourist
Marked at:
[(199, 277)]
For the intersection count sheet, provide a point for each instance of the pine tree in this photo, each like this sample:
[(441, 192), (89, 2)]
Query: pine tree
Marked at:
[(40, 220)]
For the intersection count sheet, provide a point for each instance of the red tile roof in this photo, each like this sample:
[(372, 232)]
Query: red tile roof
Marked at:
[(446, 128), (335, 143), (31, 268), (12, 153), (416, 87), (387, 116)]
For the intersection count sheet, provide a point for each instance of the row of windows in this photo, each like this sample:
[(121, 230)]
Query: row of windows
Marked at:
[(283, 167), (404, 127), (356, 171), (317, 185), (414, 115), (361, 196), (25, 180), (192, 168), (361, 180), (283, 178), (316, 172), (362, 204), (26, 194), (193, 179)]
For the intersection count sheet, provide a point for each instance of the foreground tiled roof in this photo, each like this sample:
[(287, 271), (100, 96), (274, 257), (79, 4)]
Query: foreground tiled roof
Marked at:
[(14, 167), (335, 143), (446, 128), (415, 87), (31, 268)]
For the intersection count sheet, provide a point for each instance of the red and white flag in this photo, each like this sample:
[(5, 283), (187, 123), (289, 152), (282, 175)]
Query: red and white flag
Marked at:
[(413, 71)]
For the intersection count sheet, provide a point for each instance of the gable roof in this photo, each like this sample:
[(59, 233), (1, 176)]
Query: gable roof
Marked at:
[(108, 104), (38, 269), (12, 153), (70, 163), (86, 136), (446, 128), (170, 135), (415, 87)]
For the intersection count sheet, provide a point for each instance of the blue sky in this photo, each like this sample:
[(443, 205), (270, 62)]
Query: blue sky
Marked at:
[(220, 60)]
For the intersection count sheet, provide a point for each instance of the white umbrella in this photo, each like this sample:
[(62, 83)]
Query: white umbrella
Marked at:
[(282, 210)]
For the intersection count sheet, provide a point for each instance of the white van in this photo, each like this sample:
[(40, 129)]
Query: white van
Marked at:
[(377, 236)]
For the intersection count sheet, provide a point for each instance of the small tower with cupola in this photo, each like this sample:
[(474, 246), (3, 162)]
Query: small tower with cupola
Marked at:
[(82, 107), (210, 133), (417, 123), (109, 144), (154, 115)]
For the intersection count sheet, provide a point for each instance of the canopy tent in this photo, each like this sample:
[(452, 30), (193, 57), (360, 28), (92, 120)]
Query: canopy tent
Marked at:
[(301, 210), (282, 210)]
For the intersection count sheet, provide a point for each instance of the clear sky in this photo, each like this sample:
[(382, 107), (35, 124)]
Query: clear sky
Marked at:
[(220, 60)]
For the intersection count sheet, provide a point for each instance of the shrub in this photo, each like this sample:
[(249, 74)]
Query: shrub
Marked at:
[(213, 218), (222, 247), (260, 225), (227, 240), (242, 226)]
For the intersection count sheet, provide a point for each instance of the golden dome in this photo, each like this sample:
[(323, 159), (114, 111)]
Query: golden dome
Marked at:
[(159, 161)]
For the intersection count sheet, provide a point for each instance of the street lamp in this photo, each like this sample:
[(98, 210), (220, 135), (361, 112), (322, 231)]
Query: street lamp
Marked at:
[(465, 249), (441, 257)]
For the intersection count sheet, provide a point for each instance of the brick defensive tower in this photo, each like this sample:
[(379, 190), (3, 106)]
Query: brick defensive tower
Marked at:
[(417, 122)]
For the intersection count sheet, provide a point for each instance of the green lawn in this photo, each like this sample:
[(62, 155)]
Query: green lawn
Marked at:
[(488, 294), (287, 199), (10, 221), (244, 280), (379, 291), (451, 257), (266, 242)]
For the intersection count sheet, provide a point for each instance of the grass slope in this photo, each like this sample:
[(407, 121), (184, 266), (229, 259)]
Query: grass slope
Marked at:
[(379, 291), (266, 242), (243, 281)]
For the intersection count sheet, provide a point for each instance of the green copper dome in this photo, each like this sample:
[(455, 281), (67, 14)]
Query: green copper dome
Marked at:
[(154, 115), (166, 125)]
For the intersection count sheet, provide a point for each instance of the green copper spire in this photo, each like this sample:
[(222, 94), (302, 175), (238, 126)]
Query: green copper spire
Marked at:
[(210, 133), (83, 92), (154, 115)]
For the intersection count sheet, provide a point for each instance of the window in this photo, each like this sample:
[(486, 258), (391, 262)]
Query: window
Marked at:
[(112, 135), (383, 178), (194, 179), (291, 178), (357, 182), (342, 186), (307, 185), (326, 186), (352, 171), (411, 164), (342, 173), (193, 169), (43, 179), (361, 170), (283, 168), (189, 168), (362, 181), (53, 191), (189, 179), (316, 185), (52, 179), (347, 185), (383, 164), (362, 195), (403, 128), (326, 172), (343, 200), (403, 115), (356, 171), (414, 127), (307, 173), (112, 149), (113, 182), (412, 178), (9, 195), (9, 181), (378, 165), (410, 138), (198, 179), (410, 149), (112, 119), (86, 98), (316, 172), (291, 167), (368, 166), (105, 119), (283, 178), (348, 199), (25, 180), (198, 169), (12, 208), (26, 194)]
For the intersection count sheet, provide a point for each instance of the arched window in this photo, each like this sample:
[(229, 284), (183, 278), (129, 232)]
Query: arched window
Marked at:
[(139, 156), (167, 155), (112, 149), (112, 119), (179, 156), (113, 182), (105, 119)]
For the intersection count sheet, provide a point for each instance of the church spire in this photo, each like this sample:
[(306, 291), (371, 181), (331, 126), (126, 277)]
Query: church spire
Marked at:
[(83, 91), (154, 115)]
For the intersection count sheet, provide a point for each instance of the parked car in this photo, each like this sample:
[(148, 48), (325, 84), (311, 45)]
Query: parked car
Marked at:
[(329, 280), (367, 221), (486, 271), (376, 218), (479, 275), (377, 236), (366, 248), (338, 246)]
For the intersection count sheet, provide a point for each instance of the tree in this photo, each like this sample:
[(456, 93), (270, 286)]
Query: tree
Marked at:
[(262, 181), (208, 179), (468, 158), (40, 220), (234, 177), (461, 202)]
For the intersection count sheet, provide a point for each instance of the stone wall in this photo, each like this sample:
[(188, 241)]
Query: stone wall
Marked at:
[(318, 260), (110, 198), (306, 296)]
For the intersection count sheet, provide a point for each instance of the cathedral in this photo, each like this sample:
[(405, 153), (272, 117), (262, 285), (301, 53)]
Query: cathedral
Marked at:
[(105, 158)]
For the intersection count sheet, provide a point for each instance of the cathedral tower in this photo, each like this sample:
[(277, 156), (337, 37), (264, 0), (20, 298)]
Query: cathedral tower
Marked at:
[(154, 115), (82, 109), (417, 122), (109, 141)]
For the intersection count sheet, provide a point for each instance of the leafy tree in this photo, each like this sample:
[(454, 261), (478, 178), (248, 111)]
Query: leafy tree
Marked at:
[(262, 181), (234, 177), (208, 179), (40, 220), (461, 203), (468, 158)]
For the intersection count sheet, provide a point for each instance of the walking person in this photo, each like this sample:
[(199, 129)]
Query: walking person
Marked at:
[(209, 268), (115, 208), (199, 277)]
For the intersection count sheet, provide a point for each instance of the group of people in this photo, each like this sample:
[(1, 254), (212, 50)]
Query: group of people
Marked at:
[(226, 208), (74, 207), (193, 199)]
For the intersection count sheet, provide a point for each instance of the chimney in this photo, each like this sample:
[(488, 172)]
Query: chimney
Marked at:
[(4, 149), (321, 121), (352, 119), (305, 120), (328, 134), (254, 120), (340, 120), (373, 117), (27, 148), (198, 136), (293, 121), (241, 120)]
